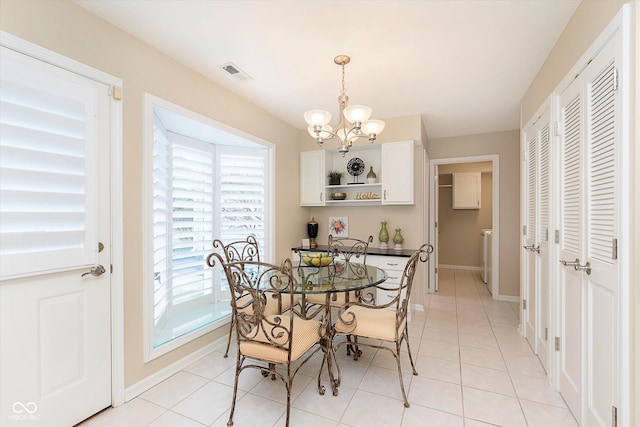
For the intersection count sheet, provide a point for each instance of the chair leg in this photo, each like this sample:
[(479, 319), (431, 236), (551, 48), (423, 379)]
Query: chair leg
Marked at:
[(231, 324), (353, 347), (235, 390), (406, 337), (404, 393)]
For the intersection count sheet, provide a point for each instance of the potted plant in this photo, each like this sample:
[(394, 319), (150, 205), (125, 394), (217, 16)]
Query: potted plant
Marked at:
[(334, 177)]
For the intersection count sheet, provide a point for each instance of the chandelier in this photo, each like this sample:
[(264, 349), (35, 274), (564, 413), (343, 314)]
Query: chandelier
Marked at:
[(354, 120)]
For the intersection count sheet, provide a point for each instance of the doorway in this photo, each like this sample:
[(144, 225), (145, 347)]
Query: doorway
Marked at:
[(436, 167)]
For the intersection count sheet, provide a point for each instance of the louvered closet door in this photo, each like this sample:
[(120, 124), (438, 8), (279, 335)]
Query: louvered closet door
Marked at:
[(590, 221), (543, 315), (530, 262), (603, 186), (570, 280)]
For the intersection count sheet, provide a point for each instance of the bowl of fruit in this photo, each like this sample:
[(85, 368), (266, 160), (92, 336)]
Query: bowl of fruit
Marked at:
[(317, 259)]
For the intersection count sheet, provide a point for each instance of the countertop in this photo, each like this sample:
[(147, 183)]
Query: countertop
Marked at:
[(371, 251)]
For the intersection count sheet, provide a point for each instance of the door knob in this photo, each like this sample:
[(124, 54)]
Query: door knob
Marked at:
[(576, 265), (570, 263), (533, 248), (586, 268), (98, 270)]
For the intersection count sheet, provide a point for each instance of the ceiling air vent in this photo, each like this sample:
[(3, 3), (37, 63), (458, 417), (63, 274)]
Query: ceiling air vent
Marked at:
[(236, 72)]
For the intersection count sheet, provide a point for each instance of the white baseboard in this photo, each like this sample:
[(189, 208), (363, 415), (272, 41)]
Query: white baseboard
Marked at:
[(460, 267), (418, 307), (161, 375), (509, 298)]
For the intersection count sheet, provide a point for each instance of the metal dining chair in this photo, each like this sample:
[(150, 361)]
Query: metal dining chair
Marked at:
[(384, 323), (267, 340), (246, 250)]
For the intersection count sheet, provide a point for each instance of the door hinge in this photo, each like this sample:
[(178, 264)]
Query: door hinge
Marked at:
[(546, 334), (546, 234), (436, 224), (111, 268), (614, 249), (116, 92), (556, 129), (436, 270), (616, 81), (524, 304), (557, 343), (524, 230), (557, 236), (614, 416)]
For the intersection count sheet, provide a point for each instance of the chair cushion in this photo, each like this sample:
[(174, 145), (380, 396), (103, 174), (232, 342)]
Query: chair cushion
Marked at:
[(305, 334), (371, 323)]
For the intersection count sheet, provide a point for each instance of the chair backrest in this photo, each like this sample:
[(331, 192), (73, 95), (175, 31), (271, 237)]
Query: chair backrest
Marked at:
[(241, 250), (261, 281), (352, 250), (401, 301)]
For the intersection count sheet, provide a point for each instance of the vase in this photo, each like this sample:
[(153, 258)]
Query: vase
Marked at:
[(312, 231), (398, 239), (371, 176), (383, 236)]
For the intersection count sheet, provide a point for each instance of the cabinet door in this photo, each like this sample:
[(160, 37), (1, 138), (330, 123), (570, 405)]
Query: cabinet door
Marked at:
[(394, 266), (466, 190), (312, 178), (397, 173)]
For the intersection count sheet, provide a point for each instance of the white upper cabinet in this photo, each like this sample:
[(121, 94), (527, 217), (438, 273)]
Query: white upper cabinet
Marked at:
[(312, 178), (466, 190), (392, 164), (397, 173)]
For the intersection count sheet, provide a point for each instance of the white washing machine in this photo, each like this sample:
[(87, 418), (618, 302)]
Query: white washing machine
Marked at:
[(486, 255)]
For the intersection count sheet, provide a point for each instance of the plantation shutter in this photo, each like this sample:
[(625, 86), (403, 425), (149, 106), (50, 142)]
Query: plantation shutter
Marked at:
[(48, 168), (242, 194), (161, 223)]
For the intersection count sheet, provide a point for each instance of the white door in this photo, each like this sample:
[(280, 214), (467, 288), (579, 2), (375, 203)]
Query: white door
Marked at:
[(571, 212), (55, 350), (602, 219), (543, 315), (590, 221), (530, 245)]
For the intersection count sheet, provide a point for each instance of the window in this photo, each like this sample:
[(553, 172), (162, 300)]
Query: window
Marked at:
[(201, 189)]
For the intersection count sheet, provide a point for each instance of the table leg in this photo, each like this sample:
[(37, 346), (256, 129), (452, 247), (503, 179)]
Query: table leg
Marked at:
[(329, 352)]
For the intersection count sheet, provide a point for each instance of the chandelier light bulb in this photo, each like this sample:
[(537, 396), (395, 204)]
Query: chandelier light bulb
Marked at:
[(325, 131), (373, 127), (357, 113), (317, 117)]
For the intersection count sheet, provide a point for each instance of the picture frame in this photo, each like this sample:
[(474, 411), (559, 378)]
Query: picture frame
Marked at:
[(339, 226)]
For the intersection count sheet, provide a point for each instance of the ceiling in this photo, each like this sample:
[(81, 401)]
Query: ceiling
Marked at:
[(463, 65)]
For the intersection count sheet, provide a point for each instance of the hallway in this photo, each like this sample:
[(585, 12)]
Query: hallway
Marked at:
[(474, 370)]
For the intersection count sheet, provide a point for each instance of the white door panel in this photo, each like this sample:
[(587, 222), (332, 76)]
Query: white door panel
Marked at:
[(55, 328), (603, 226), (571, 232)]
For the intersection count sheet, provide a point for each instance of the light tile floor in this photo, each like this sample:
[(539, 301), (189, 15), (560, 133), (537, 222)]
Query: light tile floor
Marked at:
[(474, 370)]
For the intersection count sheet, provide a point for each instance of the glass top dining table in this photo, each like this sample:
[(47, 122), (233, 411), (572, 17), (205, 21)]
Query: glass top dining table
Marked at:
[(336, 277)]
